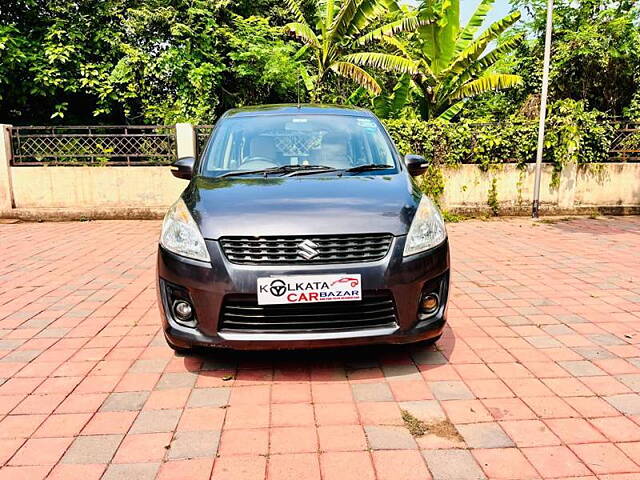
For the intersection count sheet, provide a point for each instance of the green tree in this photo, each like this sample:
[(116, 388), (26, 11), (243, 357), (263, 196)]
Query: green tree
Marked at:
[(193, 59), (50, 53), (595, 51), (334, 42), (139, 61), (452, 62)]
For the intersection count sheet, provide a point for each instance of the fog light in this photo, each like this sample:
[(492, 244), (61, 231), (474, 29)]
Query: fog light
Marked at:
[(182, 310), (429, 303)]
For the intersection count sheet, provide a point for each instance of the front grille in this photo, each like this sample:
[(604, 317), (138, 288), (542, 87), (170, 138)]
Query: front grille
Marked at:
[(242, 313), (288, 250)]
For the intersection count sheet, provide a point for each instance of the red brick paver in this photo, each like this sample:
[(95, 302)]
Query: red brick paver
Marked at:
[(538, 370)]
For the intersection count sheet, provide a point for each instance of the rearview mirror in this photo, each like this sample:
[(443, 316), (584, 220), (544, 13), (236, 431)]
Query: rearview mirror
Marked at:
[(416, 164), (183, 168)]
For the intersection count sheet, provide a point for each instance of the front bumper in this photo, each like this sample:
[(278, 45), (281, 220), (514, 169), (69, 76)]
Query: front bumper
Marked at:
[(207, 286)]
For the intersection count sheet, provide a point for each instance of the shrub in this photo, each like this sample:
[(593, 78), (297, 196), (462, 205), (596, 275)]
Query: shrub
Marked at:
[(485, 144), (573, 135)]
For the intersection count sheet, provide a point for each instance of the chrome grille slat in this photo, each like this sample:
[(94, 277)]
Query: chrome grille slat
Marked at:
[(292, 244), (285, 250), (242, 313), (301, 315), (229, 323), (307, 306)]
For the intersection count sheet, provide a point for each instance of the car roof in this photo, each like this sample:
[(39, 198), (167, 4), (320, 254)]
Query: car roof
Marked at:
[(292, 108)]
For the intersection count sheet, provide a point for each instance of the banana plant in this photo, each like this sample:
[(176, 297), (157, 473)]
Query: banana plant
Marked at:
[(393, 105), (387, 105), (450, 62), (335, 40)]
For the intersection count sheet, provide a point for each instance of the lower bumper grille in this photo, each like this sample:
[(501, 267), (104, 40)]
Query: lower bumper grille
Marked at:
[(242, 313)]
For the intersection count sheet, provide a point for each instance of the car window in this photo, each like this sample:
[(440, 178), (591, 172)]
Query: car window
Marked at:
[(264, 141)]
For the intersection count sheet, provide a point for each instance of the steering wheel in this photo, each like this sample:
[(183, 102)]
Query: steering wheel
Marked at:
[(258, 163)]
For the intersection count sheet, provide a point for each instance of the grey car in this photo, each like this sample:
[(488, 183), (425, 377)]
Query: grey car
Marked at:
[(301, 227)]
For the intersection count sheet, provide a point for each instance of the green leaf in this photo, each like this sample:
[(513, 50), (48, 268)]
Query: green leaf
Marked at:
[(356, 74), (382, 61), (438, 39), (465, 37), (307, 79), (477, 47), (303, 32), (356, 96), (381, 106), (493, 81), (355, 16), (488, 60), (295, 10), (301, 51), (397, 47), (406, 24), (400, 94), (452, 111)]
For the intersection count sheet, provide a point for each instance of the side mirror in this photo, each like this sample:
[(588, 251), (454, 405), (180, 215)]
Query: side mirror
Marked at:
[(416, 164), (183, 168)]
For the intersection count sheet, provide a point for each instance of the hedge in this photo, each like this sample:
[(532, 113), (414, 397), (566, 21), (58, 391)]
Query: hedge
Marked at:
[(572, 135)]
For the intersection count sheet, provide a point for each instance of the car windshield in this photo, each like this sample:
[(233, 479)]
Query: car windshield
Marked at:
[(269, 141)]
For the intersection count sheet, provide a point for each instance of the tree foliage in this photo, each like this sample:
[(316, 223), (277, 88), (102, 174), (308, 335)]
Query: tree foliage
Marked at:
[(595, 53), (453, 61), (332, 40), (138, 61), (573, 135), (162, 61)]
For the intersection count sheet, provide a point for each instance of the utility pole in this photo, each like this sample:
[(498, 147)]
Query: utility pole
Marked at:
[(543, 109)]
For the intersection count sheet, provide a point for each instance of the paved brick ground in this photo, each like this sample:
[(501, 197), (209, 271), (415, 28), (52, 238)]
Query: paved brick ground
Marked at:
[(539, 372)]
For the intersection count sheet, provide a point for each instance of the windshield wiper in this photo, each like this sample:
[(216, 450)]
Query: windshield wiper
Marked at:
[(308, 169), (284, 169), (369, 166), (265, 171)]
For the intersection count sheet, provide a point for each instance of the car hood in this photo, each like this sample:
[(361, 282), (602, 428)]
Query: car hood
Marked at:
[(302, 205)]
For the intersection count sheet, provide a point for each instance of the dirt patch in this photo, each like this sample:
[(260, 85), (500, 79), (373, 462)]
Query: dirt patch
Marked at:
[(553, 221), (445, 429), (419, 428)]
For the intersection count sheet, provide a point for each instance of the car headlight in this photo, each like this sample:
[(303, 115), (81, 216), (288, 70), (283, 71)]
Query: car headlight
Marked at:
[(181, 235), (427, 228)]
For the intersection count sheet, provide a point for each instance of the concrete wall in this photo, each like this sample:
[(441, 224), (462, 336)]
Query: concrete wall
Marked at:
[(47, 192), (92, 187), (145, 192), (467, 187), (617, 184), (608, 188)]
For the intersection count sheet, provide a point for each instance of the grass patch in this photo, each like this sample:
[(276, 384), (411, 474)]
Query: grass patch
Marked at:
[(451, 217), (416, 427)]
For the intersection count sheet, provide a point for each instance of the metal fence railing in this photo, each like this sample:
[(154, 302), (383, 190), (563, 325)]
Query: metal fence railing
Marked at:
[(625, 142), (156, 144), (625, 145), (93, 145), (203, 132)]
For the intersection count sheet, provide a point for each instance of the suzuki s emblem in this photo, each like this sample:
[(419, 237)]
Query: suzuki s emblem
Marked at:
[(307, 249)]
